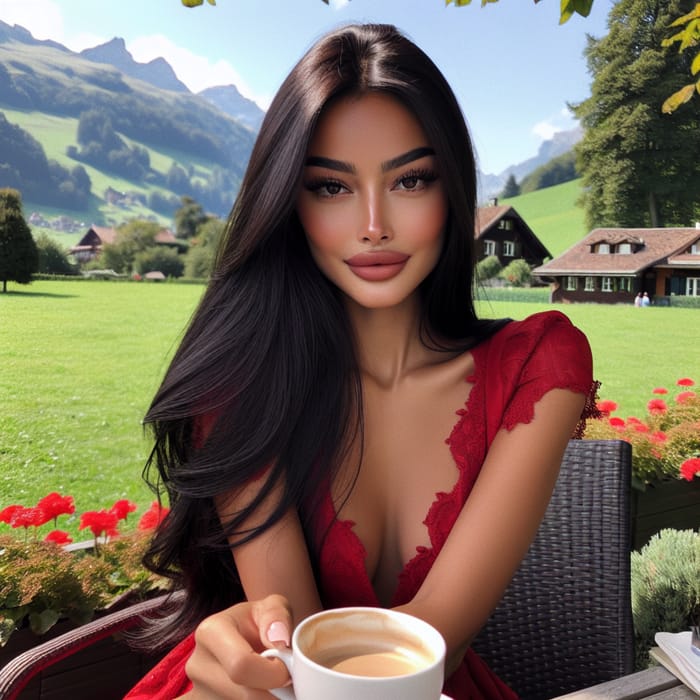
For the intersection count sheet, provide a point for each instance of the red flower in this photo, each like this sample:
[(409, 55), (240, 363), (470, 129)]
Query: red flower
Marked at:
[(6, 514), (657, 406), (122, 508), (616, 422), (606, 406), (153, 516), (54, 505), (99, 521), (685, 381), (659, 436), (59, 537), (27, 517), (660, 390), (685, 396), (633, 420), (640, 427), (690, 468)]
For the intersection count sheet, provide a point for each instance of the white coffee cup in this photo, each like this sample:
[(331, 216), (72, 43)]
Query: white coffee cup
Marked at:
[(363, 654)]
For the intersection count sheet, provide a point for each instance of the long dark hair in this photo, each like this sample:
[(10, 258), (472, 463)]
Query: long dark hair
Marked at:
[(265, 377)]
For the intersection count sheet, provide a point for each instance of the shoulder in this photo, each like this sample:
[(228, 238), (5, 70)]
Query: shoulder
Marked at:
[(547, 331)]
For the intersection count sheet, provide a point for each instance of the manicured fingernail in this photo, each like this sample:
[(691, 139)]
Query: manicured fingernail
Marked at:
[(278, 634)]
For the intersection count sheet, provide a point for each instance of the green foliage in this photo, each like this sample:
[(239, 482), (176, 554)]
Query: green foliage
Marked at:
[(555, 172), (686, 37), (160, 258), (488, 268), (132, 238), (53, 258), (665, 588), (40, 582), (639, 166), (19, 257), (511, 188), (199, 261), (24, 164), (188, 218), (517, 273)]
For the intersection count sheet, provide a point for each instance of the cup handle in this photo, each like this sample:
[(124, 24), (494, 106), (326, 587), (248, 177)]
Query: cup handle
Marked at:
[(285, 656)]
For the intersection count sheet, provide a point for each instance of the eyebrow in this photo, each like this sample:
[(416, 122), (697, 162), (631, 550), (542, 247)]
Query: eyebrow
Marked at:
[(344, 167)]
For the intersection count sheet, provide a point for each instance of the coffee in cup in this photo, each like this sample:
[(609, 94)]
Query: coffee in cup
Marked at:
[(363, 653)]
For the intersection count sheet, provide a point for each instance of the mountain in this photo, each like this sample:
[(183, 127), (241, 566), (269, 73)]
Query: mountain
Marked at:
[(90, 129), (561, 142), (157, 72), (229, 100)]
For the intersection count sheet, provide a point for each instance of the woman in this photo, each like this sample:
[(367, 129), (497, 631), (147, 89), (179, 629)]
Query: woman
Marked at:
[(337, 427)]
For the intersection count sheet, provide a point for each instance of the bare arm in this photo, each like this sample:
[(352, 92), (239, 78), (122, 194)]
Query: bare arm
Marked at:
[(497, 524)]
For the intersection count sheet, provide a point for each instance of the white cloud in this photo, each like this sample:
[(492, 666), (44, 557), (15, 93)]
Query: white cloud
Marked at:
[(41, 17), (339, 4), (562, 121), (197, 72)]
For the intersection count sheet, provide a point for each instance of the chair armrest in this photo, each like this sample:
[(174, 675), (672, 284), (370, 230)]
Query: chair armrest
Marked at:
[(17, 673)]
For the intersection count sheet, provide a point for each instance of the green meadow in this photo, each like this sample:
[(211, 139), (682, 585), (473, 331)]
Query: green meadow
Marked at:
[(80, 361)]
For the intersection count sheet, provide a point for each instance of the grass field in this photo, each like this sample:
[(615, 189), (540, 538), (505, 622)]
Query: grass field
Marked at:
[(80, 361), (553, 215)]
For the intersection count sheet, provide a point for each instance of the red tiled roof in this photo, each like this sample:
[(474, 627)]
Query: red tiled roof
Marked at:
[(659, 246), (106, 234), (488, 216)]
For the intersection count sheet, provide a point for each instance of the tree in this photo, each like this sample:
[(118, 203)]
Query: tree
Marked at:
[(53, 259), (19, 257), (517, 273), (158, 258), (511, 188), (132, 239), (638, 169), (188, 218)]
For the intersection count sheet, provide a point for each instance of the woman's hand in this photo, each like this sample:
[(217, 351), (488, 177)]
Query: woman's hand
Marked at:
[(226, 662)]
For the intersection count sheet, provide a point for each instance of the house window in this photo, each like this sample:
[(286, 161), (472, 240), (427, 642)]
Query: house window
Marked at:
[(624, 248), (489, 248), (603, 248), (590, 284), (695, 249), (508, 249), (505, 224), (692, 286), (571, 284), (624, 284), (607, 284)]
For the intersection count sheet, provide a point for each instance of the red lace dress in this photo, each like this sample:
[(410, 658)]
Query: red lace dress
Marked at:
[(512, 370)]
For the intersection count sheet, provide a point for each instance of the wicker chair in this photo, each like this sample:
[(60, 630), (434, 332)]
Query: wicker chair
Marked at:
[(564, 623)]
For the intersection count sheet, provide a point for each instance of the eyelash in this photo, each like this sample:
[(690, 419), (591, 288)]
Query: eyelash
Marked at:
[(317, 184)]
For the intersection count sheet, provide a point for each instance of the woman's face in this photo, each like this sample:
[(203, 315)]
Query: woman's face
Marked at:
[(372, 203)]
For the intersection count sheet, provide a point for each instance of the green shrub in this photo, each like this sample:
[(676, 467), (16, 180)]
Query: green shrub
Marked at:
[(517, 273), (488, 268), (665, 588)]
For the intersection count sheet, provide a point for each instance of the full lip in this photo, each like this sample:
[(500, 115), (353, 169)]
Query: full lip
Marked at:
[(376, 258)]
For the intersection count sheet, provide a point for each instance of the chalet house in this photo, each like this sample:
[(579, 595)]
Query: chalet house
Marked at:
[(612, 265), (502, 232), (90, 245)]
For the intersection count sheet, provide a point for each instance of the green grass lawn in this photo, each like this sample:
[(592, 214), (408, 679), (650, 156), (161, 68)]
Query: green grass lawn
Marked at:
[(80, 361)]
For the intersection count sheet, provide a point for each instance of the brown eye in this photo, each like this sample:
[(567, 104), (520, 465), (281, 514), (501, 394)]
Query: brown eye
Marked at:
[(333, 188), (410, 183)]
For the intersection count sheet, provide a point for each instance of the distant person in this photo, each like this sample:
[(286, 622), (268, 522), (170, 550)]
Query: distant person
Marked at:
[(337, 426), (645, 299), (638, 299)]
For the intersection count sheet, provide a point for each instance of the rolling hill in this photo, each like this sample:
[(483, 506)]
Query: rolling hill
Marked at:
[(184, 144)]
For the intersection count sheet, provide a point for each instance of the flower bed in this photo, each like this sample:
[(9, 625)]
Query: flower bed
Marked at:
[(46, 580), (665, 458)]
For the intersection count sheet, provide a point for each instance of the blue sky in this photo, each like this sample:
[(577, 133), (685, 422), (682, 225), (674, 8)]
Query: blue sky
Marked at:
[(512, 66)]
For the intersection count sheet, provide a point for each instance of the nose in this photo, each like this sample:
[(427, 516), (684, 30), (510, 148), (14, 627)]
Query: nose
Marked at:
[(375, 227)]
